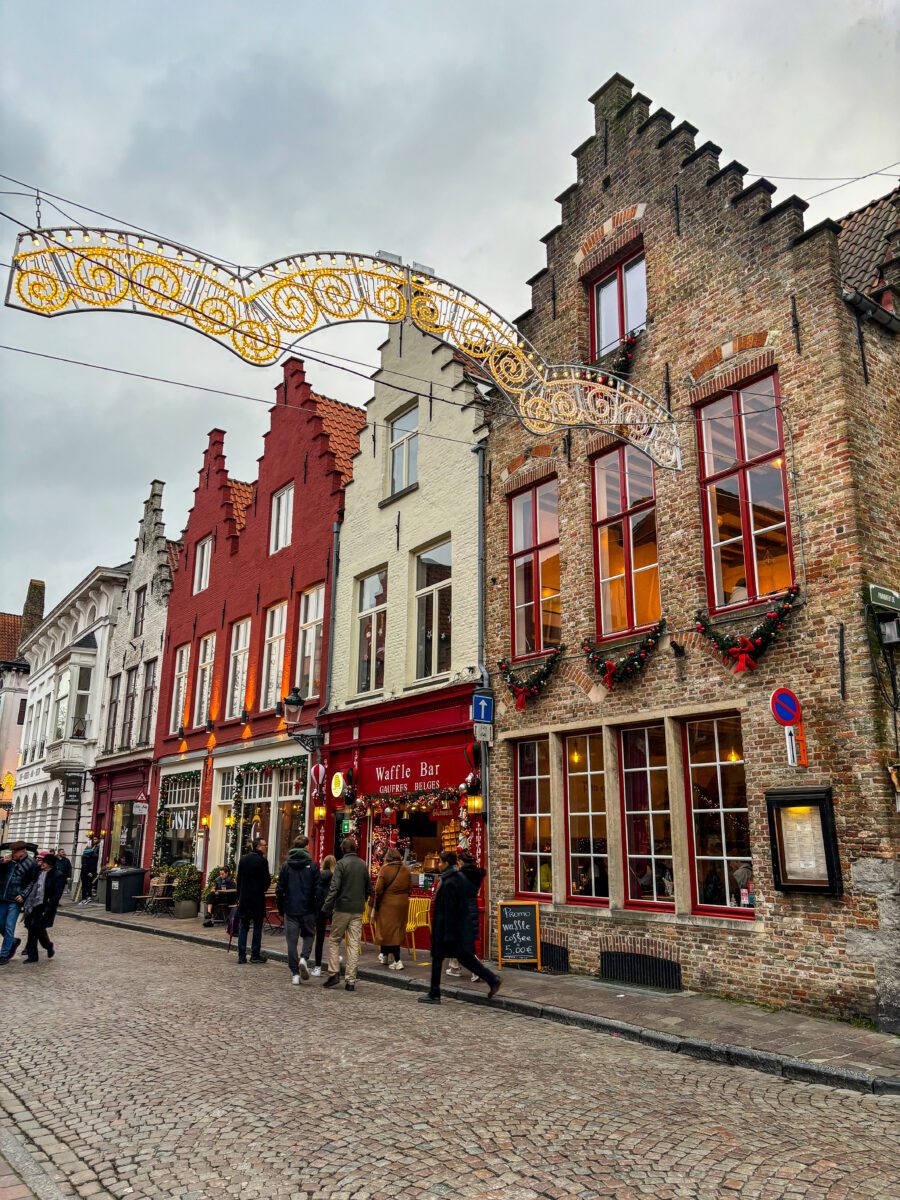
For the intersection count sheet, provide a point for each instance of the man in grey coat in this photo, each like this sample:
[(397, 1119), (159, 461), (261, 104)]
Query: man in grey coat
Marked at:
[(351, 886)]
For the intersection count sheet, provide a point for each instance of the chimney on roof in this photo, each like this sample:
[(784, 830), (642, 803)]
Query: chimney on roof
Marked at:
[(33, 612)]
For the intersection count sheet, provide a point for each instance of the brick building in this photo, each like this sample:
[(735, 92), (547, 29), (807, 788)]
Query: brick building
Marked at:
[(128, 721), (247, 620), (651, 818)]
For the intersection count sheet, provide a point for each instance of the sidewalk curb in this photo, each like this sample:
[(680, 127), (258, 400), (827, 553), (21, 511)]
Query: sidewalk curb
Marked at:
[(799, 1070)]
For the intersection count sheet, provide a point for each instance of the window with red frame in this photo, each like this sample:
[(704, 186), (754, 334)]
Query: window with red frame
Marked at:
[(625, 541), (647, 817), (618, 305), (720, 823), (586, 812), (743, 479), (534, 569), (534, 840)]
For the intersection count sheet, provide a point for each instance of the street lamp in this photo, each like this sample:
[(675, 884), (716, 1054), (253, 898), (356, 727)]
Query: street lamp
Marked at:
[(312, 740)]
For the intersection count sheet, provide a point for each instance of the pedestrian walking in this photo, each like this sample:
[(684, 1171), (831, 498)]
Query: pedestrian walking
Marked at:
[(453, 929), (40, 907), (351, 886), (295, 894), (253, 879), (64, 867), (392, 907), (17, 875), (329, 862), (90, 866), (475, 876)]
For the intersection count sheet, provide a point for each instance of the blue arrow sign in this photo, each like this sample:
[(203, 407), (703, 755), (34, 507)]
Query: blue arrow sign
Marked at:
[(482, 709)]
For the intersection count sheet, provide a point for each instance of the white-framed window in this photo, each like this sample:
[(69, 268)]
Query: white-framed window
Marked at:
[(80, 722), (145, 730), (273, 655), (282, 518), (179, 687), (202, 556), (206, 653), (62, 705), (404, 450), (372, 631), (237, 668), (128, 714), (309, 662), (433, 611)]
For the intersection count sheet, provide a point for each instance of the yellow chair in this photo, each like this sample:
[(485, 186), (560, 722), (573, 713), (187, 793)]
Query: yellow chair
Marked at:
[(368, 918), (419, 918)]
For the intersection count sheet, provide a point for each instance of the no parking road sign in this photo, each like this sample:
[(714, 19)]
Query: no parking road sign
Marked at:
[(785, 707)]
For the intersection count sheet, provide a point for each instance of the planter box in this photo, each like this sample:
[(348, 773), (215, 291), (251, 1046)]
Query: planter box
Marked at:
[(185, 910)]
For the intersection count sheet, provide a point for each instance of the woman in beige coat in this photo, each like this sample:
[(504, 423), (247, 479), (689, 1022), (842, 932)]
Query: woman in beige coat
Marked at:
[(392, 907)]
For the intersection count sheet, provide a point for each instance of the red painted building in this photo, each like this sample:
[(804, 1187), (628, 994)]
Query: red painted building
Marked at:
[(248, 620)]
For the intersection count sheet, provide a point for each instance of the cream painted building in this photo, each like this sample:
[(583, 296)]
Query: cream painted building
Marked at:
[(406, 600)]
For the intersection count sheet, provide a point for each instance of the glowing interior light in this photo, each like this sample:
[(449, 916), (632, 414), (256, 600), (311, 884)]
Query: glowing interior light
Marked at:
[(733, 755)]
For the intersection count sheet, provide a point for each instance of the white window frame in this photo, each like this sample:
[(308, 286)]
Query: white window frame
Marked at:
[(202, 558), (128, 709), (206, 656), (273, 656), (282, 518), (309, 647), (366, 616), (140, 612), (433, 591), (238, 658), (400, 444), (179, 686)]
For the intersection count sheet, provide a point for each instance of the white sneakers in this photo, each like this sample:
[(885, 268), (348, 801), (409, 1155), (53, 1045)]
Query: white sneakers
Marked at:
[(455, 971), (381, 958), (304, 970), (474, 978), (396, 966), (316, 972), (295, 979)]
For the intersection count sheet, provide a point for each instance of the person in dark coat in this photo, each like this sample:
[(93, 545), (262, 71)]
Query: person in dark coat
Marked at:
[(253, 879), (63, 866), (17, 876), (475, 876), (40, 908), (90, 865), (296, 893), (453, 929), (329, 862)]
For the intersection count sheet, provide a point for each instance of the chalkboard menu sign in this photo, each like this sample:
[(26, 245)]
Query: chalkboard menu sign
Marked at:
[(518, 932)]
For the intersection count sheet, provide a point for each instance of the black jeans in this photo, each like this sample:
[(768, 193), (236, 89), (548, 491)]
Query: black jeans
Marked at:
[(37, 935), (465, 959), (388, 951), (321, 926), (256, 945), (87, 884)]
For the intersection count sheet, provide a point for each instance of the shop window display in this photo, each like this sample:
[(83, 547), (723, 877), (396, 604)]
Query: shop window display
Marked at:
[(180, 816), (647, 817), (534, 834), (720, 823), (586, 812)]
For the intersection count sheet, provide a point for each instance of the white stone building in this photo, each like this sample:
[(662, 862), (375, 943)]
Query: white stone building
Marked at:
[(67, 654)]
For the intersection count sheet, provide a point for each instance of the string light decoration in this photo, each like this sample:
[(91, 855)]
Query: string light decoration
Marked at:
[(256, 316)]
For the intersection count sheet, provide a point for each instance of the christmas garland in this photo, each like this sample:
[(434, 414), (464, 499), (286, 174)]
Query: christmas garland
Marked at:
[(165, 784), (622, 363), (237, 793), (630, 664), (743, 653), (529, 687)]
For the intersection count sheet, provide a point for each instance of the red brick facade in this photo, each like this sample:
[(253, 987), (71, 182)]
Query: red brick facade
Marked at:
[(736, 288)]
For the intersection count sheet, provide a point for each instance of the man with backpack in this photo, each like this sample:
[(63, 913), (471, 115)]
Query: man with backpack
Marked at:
[(295, 894)]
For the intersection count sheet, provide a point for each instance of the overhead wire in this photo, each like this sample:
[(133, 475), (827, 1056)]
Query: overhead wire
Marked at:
[(856, 179)]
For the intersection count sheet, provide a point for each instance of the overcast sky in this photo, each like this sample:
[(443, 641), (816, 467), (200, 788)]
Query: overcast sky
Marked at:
[(439, 131)]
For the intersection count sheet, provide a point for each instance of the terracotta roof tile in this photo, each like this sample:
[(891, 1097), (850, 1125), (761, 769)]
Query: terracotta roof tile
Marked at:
[(343, 424), (471, 366), (10, 633), (172, 550), (241, 499), (863, 239)]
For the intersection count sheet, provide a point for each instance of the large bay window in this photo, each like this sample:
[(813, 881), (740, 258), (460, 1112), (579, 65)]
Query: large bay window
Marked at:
[(619, 305), (534, 569), (309, 661), (179, 687), (433, 611), (206, 653), (719, 829), (743, 480), (373, 590), (273, 655), (647, 818), (237, 668), (534, 838), (625, 541), (586, 815)]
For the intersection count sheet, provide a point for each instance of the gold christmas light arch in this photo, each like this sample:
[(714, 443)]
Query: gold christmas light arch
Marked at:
[(257, 315)]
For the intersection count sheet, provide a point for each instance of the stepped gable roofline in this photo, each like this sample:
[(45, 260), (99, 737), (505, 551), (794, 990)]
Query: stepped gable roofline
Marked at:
[(868, 238), (10, 633), (343, 423)]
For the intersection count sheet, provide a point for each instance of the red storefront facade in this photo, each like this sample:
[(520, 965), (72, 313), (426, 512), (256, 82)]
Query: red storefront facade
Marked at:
[(404, 773)]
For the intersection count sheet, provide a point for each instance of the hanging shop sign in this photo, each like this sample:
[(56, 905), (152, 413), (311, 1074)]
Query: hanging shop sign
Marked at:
[(803, 841), (429, 769), (73, 788), (883, 597), (337, 785)]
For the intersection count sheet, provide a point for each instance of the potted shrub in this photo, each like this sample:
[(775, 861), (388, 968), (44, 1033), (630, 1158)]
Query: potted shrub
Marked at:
[(187, 891)]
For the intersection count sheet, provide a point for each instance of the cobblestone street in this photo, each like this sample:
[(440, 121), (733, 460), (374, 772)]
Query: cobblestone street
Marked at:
[(147, 1067)]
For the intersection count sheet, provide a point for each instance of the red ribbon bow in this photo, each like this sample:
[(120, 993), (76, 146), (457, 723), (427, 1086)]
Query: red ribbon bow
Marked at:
[(608, 680), (743, 654), (521, 695)]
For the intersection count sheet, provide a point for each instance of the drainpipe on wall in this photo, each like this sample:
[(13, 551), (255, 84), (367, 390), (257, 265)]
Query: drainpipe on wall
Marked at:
[(480, 449)]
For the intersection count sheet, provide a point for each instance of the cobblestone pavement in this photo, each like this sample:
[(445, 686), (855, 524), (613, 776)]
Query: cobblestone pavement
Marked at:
[(144, 1067)]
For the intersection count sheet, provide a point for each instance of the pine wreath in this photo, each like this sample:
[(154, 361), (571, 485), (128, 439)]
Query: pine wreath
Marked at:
[(743, 653), (630, 664), (529, 687)]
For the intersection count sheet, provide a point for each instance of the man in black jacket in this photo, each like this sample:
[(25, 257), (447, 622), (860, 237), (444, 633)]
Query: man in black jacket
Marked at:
[(41, 904), (453, 929), (295, 893), (253, 879), (17, 875)]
